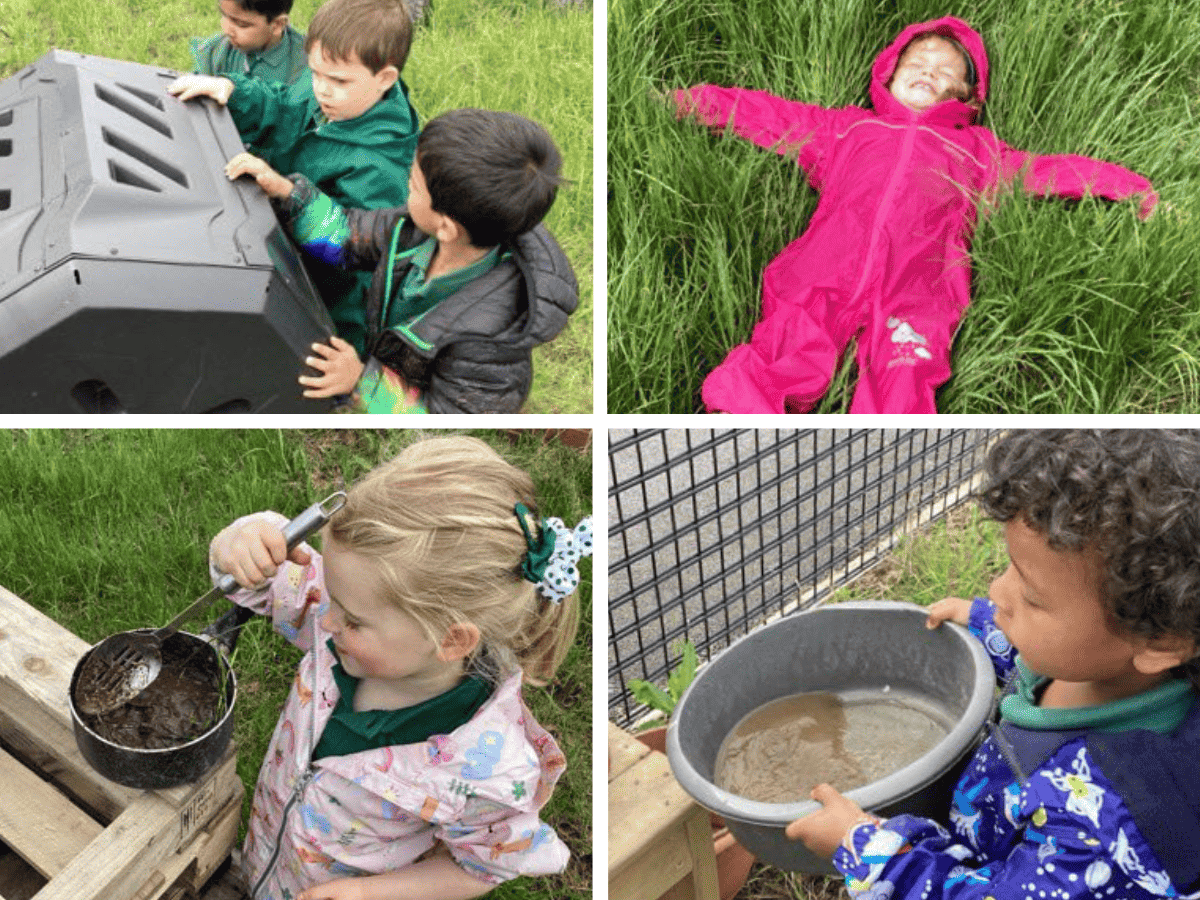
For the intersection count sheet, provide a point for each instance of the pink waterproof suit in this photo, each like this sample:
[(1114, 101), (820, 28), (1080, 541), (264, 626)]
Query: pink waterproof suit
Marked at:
[(476, 791), (886, 255)]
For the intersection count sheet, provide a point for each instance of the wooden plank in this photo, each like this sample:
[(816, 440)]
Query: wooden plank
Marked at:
[(644, 803), (654, 869), (38, 654), (122, 854), (152, 828), (37, 657), (37, 822), (48, 746), (206, 851), (704, 860), (624, 750)]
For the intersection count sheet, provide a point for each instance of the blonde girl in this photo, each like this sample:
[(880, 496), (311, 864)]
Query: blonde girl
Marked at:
[(405, 763)]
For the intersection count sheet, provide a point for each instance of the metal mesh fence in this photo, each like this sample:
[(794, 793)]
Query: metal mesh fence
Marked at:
[(713, 532)]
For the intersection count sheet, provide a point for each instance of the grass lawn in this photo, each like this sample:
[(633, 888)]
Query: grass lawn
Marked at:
[(108, 530), (532, 57), (1077, 308)]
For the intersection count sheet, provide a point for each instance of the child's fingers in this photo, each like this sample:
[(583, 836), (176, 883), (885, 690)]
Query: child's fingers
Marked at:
[(243, 164), (824, 794), (326, 351), (317, 388), (953, 609)]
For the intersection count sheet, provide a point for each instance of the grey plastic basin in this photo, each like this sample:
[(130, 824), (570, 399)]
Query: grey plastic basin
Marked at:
[(846, 647)]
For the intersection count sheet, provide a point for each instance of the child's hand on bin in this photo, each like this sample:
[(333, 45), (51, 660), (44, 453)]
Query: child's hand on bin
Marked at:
[(952, 609), (272, 183), (252, 551), (339, 366), (188, 87), (824, 830)]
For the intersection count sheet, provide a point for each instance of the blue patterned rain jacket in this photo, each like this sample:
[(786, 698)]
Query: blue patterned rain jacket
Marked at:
[(1049, 814)]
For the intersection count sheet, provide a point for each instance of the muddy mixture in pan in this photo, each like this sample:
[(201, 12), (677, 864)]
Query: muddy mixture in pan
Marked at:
[(180, 705)]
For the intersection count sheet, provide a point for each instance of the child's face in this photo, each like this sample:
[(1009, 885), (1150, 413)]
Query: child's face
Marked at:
[(929, 71), (374, 639), (1048, 605), (420, 204), (249, 32), (345, 88)]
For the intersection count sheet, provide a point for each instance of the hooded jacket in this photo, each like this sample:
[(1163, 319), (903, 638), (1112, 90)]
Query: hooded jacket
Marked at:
[(470, 353), (1047, 813), (477, 791), (885, 256), (362, 161)]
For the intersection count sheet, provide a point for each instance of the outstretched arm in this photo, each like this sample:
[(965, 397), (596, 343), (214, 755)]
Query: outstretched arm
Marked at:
[(802, 131), (1073, 176)]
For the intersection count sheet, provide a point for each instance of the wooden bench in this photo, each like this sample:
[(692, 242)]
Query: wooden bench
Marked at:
[(657, 835), (67, 833)]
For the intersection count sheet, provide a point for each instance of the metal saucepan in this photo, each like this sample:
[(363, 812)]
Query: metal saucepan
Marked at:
[(139, 745), (151, 768)]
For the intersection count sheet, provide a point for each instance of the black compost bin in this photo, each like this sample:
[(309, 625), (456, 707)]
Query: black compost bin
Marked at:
[(134, 277)]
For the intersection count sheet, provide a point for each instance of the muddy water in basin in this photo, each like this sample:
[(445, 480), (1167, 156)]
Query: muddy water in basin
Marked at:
[(780, 751)]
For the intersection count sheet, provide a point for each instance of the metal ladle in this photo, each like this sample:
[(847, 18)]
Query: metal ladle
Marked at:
[(122, 666)]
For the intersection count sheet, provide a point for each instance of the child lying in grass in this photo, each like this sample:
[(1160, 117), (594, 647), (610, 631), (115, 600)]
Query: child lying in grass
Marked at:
[(886, 256)]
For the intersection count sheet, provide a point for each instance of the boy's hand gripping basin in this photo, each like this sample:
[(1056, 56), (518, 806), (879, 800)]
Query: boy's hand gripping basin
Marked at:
[(842, 648), (134, 276)]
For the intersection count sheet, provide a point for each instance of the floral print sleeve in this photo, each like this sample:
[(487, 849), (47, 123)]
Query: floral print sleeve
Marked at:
[(293, 599)]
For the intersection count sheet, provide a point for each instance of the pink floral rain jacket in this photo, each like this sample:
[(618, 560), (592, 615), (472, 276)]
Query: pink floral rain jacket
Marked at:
[(476, 790), (885, 257)]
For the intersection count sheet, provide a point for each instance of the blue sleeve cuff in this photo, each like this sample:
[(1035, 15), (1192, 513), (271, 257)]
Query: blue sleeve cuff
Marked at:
[(982, 624)]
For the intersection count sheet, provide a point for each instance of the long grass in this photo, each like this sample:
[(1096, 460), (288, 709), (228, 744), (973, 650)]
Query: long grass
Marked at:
[(108, 530), (1077, 308), (532, 57)]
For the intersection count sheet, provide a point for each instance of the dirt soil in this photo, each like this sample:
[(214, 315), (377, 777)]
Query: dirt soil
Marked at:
[(181, 704)]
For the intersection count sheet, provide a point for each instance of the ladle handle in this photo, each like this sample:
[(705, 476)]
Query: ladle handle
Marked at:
[(297, 530)]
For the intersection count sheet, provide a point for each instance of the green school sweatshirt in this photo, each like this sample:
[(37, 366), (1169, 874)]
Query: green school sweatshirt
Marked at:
[(285, 62), (361, 162)]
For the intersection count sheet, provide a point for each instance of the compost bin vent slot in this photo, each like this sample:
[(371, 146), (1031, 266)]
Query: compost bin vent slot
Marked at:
[(5, 200), (144, 156), (6, 118), (142, 94), (133, 110), (5, 147), (94, 396), (122, 175)]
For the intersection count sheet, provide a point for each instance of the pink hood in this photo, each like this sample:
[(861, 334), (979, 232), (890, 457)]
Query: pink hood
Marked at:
[(948, 112)]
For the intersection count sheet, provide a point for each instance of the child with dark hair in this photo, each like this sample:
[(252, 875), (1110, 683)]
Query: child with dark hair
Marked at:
[(885, 260), (256, 40), (350, 129), (467, 281), (1087, 786)]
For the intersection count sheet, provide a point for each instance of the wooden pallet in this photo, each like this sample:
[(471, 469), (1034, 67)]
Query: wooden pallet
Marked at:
[(66, 832)]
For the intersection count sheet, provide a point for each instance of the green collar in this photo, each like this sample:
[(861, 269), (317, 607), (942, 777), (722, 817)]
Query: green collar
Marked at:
[(1160, 709), (417, 296), (349, 732)]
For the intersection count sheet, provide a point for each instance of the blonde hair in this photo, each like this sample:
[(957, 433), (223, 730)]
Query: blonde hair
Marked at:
[(438, 521)]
